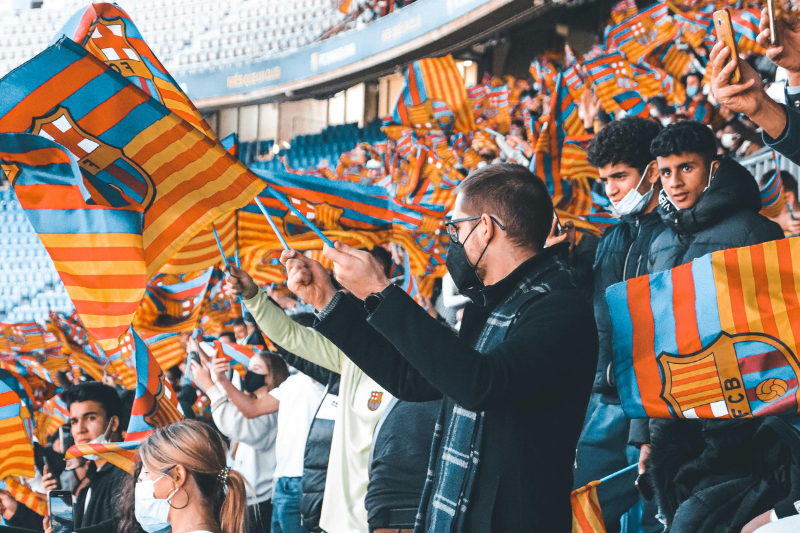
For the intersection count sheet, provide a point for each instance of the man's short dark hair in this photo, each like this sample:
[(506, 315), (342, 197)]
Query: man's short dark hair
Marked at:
[(228, 335), (625, 141), (238, 321), (94, 391), (687, 137), (516, 197)]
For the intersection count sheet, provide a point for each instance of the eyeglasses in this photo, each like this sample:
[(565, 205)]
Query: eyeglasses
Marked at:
[(452, 229)]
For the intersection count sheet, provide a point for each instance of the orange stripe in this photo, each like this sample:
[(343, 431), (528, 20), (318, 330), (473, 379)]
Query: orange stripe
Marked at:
[(788, 287), (686, 332), (704, 411), (109, 113), (692, 368), (89, 307), (704, 388), (172, 135), (762, 296), (735, 290), (700, 377), (117, 281), (110, 253), (54, 90), (648, 375), (35, 158)]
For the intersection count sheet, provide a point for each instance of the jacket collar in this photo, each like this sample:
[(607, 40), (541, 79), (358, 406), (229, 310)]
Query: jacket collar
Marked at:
[(733, 189), (529, 269)]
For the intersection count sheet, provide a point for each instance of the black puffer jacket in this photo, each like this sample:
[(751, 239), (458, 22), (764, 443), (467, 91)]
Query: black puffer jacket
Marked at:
[(725, 216), (623, 253)]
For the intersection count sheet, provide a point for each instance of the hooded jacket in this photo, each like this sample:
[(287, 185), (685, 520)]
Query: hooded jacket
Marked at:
[(623, 253)]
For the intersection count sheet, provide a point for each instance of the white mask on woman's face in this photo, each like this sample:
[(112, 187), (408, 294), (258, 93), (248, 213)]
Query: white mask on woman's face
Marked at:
[(152, 513)]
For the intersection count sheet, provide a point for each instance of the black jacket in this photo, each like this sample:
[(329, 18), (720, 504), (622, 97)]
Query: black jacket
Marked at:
[(104, 484), (534, 386), (788, 142), (623, 253), (318, 443), (725, 216), (26, 518)]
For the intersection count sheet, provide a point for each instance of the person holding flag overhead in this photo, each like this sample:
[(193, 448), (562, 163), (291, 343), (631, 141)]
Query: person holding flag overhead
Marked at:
[(621, 153), (515, 381)]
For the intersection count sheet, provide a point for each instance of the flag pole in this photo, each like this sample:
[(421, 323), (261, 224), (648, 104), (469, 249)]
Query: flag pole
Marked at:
[(271, 223), (620, 472), (285, 201), (225, 262), (239, 266)]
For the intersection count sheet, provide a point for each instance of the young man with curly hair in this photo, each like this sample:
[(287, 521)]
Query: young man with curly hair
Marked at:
[(621, 153)]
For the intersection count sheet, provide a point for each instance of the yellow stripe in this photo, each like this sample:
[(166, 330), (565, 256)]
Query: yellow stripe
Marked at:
[(209, 190), (693, 373), (105, 295), (776, 294), (749, 290), (723, 297), (695, 384), (99, 268), (149, 135), (90, 240), (178, 107), (187, 143)]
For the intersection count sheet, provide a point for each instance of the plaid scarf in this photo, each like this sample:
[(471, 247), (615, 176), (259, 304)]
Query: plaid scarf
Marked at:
[(445, 496)]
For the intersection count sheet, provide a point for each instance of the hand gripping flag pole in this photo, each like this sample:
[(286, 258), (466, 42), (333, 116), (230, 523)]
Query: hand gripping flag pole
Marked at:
[(239, 266), (225, 262), (271, 223)]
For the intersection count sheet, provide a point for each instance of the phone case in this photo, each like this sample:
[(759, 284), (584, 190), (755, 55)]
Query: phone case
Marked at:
[(773, 12), (724, 31)]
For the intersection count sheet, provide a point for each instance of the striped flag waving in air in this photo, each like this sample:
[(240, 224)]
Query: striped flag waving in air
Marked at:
[(134, 184), (714, 338)]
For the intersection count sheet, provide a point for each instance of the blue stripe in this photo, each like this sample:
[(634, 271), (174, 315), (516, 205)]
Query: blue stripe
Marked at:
[(91, 95), (186, 285), (139, 119), (91, 221), (751, 348), (705, 301), (127, 167), (22, 81), (663, 312), (622, 328), (160, 337), (8, 411), (752, 379), (757, 405)]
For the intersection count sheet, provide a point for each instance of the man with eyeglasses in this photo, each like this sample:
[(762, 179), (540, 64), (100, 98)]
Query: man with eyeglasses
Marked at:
[(515, 381)]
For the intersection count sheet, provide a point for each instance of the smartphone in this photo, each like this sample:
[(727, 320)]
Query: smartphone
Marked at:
[(772, 14), (65, 438), (559, 228), (724, 31), (59, 503)]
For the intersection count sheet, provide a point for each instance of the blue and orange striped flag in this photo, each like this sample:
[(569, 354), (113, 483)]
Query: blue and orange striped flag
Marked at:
[(434, 97), (16, 448), (155, 404), (140, 184), (21, 491), (219, 306), (639, 35), (122, 363), (714, 338), (172, 303), (623, 10), (773, 200), (632, 103), (613, 496), (235, 352), (231, 144), (745, 26), (123, 455), (165, 347)]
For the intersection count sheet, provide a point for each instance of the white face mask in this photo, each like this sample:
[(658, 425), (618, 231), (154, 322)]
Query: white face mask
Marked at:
[(99, 440), (151, 513), (726, 140), (665, 121), (634, 201)]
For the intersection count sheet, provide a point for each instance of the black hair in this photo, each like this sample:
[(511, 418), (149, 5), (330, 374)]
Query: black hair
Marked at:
[(789, 182), (238, 321), (228, 335), (384, 257), (94, 391), (687, 137), (517, 197), (277, 366), (692, 74), (624, 141)]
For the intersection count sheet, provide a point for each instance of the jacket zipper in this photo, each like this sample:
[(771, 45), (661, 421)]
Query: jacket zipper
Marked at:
[(628, 255)]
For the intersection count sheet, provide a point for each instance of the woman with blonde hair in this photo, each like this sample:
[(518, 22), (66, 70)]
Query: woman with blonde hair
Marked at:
[(185, 484)]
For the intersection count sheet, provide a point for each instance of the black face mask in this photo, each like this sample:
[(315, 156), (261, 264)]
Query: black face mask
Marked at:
[(464, 274), (252, 381)]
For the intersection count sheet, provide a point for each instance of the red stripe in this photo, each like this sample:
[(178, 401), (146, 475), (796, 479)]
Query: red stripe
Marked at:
[(53, 196), (688, 392), (413, 90), (694, 379), (735, 291), (109, 253), (89, 307), (49, 94), (109, 113), (683, 297), (134, 183), (763, 361), (704, 411), (36, 158), (117, 281), (692, 368), (648, 376), (165, 139), (109, 332)]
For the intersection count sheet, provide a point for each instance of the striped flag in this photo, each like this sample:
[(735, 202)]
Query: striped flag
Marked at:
[(409, 279), (623, 10), (123, 455), (138, 184), (714, 338), (165, 347), (20, 491), (631, 102), (122, 363), (155, 404), (745, 26), (434, 97), (219, 307), (612, 496), (231, 144), (772, 198), (237, 353), (172, 303), (641, 34), (16, 449), (57, 413)]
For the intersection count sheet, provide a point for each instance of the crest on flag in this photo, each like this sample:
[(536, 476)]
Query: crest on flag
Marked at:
[(735, 376), (109, 43), (118, 178)]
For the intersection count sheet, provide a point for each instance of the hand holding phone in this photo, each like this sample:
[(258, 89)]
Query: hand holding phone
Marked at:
[(724, 32), (773, 12), (59, 504)]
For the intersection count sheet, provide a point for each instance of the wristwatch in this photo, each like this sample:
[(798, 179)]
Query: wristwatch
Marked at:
[(372, 301)]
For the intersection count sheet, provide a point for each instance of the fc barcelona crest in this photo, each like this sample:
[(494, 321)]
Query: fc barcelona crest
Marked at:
[(375, 401), (736, 376), (117, 179)]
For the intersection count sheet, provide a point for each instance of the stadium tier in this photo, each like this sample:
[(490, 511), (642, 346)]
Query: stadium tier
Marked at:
[(186, 35)]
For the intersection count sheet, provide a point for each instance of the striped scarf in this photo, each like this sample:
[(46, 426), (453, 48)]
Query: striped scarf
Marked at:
[(445, 496)]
